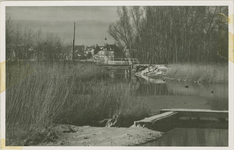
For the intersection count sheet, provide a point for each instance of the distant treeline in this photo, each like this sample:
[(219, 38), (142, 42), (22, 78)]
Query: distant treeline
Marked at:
[(25, 43), (166, 34)]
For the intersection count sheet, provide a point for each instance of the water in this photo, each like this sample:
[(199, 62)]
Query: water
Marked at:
[(192, 137), (183, 95), (159, 94)]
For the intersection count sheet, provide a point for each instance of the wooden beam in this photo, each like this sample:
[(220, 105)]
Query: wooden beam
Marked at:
[(194, 110), (172, 118), (199, 113), (155, 118), (158, 117)]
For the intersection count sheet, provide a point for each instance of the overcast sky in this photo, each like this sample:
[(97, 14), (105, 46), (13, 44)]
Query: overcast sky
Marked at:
[(92, 22)]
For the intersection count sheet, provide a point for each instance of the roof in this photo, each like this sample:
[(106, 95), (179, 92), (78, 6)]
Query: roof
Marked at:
[(111, 47)]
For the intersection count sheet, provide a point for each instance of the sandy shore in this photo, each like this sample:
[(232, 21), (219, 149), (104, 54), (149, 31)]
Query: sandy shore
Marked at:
[(102, 136)]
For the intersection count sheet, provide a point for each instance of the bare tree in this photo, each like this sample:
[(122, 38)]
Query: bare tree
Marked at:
[(170, 34), (27, 44), (121, 30)]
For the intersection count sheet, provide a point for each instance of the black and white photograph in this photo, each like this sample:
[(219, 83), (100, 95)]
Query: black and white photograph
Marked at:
[(133, 74)]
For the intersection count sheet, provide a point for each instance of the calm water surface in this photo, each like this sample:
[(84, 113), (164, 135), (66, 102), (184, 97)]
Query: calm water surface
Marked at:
[(192, 137), (159, 94)]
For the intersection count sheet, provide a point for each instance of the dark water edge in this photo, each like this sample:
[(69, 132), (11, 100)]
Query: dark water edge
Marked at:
[(192, 137)]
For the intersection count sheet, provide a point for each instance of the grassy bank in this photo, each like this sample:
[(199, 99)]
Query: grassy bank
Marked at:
[(41, 94), (210, 73)]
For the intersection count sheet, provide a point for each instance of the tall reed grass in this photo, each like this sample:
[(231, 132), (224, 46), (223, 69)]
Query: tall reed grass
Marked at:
[(210, 73), (41, 94)]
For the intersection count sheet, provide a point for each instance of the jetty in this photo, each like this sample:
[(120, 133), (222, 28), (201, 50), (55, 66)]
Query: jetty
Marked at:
[(130, 65), (118, 63), (168, 119)]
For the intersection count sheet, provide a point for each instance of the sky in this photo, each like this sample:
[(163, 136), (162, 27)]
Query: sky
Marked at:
[(92, 22)]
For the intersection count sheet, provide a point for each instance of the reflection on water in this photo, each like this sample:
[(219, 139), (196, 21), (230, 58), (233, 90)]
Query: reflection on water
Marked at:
[(173, 94), (170, 94), (147, 89), (192, 137), (203, 96)]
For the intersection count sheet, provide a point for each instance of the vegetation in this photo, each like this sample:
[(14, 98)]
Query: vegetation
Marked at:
[(165, 34), (59, 92), (209, 73), (25, 43)]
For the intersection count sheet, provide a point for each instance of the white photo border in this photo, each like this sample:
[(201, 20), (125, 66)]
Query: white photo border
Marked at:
[(4, 4)]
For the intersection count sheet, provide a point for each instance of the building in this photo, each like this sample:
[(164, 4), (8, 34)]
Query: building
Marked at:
[(118, 53), (89, 51), (107, 52), (79, 52), (111, 51)]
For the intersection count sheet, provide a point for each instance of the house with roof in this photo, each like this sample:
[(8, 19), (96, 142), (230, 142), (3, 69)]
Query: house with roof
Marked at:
[(79, 51), (107, 52), (89, 51)]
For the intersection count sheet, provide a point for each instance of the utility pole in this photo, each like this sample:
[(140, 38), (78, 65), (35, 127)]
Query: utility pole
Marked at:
[(73, 50)]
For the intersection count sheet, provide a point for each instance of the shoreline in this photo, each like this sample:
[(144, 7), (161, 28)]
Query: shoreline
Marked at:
[(102, 136), (192, 73)]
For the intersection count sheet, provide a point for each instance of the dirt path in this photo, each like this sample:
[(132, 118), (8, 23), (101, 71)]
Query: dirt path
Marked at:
[(102, 136)]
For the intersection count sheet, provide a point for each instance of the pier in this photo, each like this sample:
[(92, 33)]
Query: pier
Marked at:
[(130, 65), (185, 118)]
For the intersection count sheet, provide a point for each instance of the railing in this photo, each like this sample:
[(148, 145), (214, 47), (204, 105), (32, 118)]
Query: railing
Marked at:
[(116, 61), (122, 61)]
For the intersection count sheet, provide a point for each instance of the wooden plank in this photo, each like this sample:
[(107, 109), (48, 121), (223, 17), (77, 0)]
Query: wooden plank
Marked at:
[(196, 118), (194, 110), (200, 113), (158, 117)]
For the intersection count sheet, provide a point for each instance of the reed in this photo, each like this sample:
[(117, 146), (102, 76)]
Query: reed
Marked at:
[(41, 94), (210, 73)]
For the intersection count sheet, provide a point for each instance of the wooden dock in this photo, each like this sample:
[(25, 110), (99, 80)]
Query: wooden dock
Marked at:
[(199, 113), (131, 65), (185, 118), (153, 119)]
